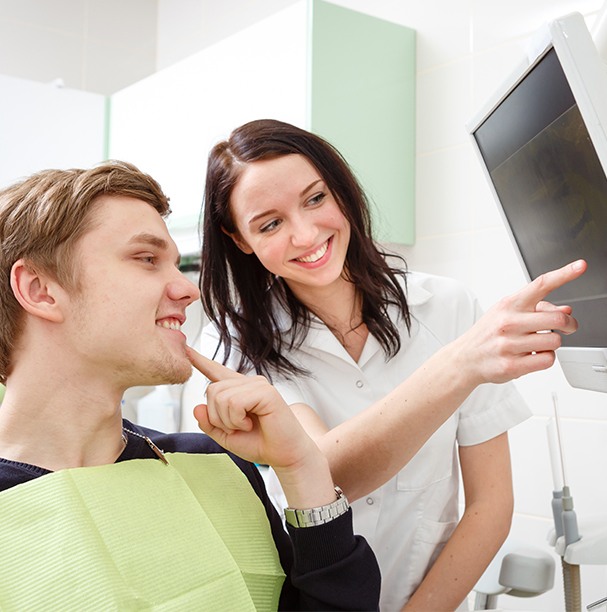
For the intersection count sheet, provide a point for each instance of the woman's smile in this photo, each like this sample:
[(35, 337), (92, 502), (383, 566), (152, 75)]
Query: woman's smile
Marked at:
[(318, 256)]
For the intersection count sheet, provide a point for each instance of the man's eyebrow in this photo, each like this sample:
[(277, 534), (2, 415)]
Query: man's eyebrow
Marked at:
[(145, 238)]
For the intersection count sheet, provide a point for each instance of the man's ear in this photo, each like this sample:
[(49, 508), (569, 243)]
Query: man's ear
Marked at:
[(36, 292), (238, 241)]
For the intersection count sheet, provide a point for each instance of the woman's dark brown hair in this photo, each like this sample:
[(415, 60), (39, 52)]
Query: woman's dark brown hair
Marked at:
[(238, 293)]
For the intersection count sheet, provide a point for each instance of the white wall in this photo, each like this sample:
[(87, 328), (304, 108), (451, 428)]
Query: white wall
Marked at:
[(186, 26), (99, 46), (44, 126), (465, 50)]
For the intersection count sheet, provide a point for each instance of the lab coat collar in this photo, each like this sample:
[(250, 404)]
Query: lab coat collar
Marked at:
[(416, 294), (320, 338)]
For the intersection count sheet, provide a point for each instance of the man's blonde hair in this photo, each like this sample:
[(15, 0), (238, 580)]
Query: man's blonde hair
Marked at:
[(41, 219)]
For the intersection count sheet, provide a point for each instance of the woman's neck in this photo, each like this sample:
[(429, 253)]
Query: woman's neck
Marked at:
[(339, 307)]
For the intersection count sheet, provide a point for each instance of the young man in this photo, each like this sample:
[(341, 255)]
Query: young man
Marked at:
[(97, 511)]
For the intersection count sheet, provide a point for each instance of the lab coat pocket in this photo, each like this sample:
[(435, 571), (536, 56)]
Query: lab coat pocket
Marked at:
[(434, 532), (429, 541), (433, 463)]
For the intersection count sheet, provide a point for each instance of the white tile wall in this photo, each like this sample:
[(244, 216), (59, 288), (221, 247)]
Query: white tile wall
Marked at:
[(186, 26), (95, 45), (444, 94), (59, 15), (49, 55)]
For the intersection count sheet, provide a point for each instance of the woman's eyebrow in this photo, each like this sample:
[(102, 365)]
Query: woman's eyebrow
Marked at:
[(260, 215), (273, 211), (310, 186)]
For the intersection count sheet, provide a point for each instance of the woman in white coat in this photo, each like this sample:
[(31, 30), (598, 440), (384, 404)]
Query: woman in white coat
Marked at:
[(297, 290)]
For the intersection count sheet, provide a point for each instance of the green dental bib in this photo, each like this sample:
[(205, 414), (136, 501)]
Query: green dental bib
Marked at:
[(138, 535)]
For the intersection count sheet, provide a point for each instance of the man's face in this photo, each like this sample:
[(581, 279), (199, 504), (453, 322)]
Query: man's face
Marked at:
[(126, 317)]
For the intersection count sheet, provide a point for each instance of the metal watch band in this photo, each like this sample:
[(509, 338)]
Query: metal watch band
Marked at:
[(312, 517)]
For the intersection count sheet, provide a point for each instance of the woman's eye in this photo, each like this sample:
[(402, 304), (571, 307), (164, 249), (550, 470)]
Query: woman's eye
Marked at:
[(317, 199), (268, 227)]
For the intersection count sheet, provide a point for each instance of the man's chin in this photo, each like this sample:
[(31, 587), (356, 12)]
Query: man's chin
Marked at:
[(182, 377), (174, 373), (179, 374)]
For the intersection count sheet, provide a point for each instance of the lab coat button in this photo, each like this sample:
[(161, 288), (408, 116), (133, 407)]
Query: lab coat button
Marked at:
[(370, 501), (359, 383)]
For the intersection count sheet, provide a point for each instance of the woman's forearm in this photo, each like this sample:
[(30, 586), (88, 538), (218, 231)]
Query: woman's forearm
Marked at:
[(474, 543), (484, 526), (501, 346)]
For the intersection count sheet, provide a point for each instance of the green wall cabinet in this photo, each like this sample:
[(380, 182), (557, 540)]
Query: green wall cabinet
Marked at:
[(363, 101)]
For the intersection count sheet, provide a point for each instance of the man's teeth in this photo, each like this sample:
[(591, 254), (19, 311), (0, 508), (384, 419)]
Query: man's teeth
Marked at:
[(169, 324), (316, 255)]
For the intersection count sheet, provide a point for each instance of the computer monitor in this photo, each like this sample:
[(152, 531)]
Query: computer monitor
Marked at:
[(543, 144)]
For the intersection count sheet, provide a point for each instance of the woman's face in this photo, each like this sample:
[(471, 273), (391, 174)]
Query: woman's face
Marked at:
[(285, 215)]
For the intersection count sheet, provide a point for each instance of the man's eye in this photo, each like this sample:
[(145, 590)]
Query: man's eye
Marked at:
[(151, 259)]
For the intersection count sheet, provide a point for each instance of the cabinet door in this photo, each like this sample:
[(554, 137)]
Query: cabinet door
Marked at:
[(363, 101)]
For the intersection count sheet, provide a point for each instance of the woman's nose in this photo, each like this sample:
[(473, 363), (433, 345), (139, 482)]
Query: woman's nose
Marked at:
[(303, 234)]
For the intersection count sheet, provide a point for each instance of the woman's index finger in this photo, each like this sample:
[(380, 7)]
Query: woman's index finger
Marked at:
[(537, 290)]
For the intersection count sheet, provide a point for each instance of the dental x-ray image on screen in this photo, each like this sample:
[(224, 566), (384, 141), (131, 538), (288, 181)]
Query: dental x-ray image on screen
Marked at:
[(543, 145)]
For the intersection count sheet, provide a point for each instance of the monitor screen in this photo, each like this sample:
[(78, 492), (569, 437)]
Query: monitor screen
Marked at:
[(544, 150)]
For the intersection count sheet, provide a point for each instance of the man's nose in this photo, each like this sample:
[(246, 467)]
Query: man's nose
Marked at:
[(182, 289)]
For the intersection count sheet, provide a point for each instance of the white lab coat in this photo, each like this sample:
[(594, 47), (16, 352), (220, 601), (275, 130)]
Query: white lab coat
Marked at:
[(408, 520)]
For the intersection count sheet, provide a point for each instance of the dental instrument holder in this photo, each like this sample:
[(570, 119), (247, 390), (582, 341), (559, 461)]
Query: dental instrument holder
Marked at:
[(557, 509), (589, 548), (575, 550), (565, 519), (569, 535), (569, 518), (595, 605)]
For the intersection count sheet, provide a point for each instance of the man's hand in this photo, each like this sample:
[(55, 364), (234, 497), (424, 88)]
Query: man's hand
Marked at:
[(247, 416)]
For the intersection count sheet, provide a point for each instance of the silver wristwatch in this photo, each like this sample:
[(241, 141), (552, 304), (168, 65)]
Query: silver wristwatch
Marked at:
[(311, 517)]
